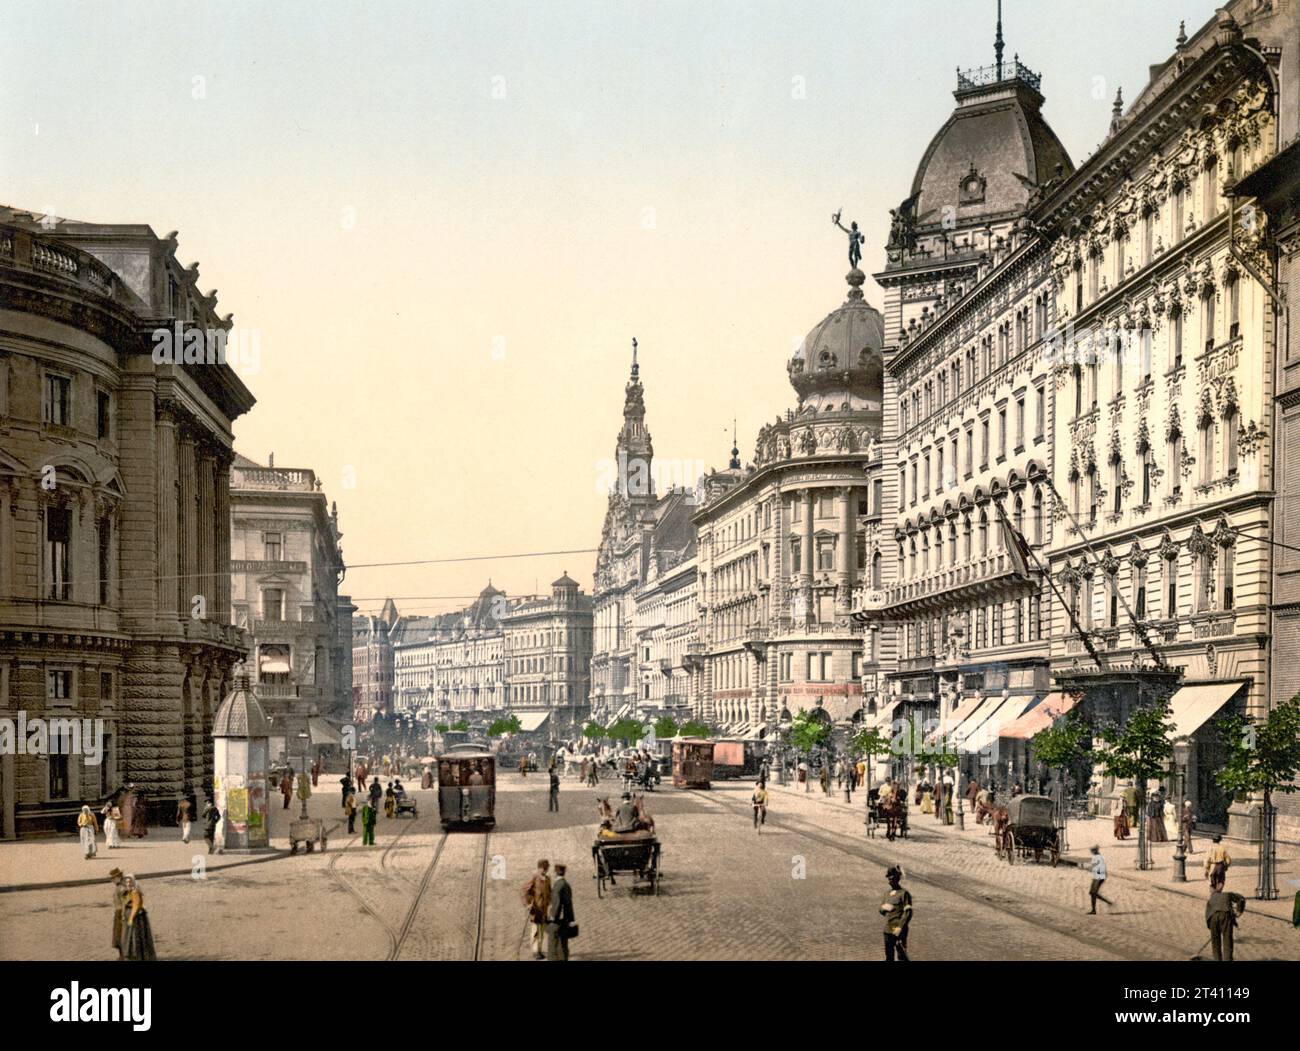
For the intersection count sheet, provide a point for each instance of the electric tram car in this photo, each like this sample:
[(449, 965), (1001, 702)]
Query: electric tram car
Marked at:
[(467, 787)]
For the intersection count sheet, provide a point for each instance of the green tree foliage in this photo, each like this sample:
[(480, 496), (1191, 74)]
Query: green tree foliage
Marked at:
[(695, 728), (1064, 744), (442, 728), (807, 733), (1262, 757), (869, 743), (461, 725), (509, 725), (593, 730), (1140, 748), (629, 731), (665, 727)]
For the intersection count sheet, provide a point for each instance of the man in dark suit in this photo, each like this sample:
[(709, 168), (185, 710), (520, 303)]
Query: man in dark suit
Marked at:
[(561, 915)]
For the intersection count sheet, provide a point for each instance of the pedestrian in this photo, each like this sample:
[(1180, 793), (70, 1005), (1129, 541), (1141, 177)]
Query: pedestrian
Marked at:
[(139, 814), (825, 779), (120, 898), (537, 900), (138, 936), (1221, 912), (376, 794), (1186, 826), (345, 784), (390, 801), (183, 819), (87, 827), (1131, 805), (286, 787), (896, 908), (1121, 830), (1217, 863), (1098, 871), (759, 802), (582, 771), (1156, 831), (368, 815), (315, 772), (553, 802), (350, 810), (211, 819), (304, 790), (112, 820), (562, 925)]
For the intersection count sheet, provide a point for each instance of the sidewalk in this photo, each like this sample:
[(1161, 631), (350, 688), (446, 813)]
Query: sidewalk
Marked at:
[(1121, 856), (56, 861)]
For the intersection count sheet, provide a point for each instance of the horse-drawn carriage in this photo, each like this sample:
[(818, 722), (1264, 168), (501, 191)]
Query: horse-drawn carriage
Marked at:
[(1027, 826), (634, 852), (891, 812)]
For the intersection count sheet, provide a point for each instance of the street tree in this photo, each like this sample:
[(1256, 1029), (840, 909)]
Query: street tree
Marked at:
[(593, 730), (509, 725), (695, 728), (1065, 745), (808, 733), (1139, 749), (1263, 758), (869, 744), (629, 731), (666, 727)]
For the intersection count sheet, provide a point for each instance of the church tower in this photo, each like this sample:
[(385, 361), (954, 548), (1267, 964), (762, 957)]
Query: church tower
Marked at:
[(635, 449)]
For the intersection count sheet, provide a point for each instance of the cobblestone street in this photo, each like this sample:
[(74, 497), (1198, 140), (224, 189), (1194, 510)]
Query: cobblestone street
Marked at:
[(806, 889)]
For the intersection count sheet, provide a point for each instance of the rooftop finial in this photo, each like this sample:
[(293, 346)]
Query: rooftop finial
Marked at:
[(1182, 35), (636, 369), (997, 42), (735, 448), (1117, 111)]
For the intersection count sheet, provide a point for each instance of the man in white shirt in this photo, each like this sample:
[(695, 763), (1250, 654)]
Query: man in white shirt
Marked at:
[(1098, 878)]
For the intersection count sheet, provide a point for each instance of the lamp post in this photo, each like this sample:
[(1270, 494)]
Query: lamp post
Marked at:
[(1182, 753), (303, 739)]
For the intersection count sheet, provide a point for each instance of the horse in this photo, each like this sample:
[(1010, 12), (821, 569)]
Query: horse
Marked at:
[(643, 818), (1000, 820), (894, 811), (606, 811)]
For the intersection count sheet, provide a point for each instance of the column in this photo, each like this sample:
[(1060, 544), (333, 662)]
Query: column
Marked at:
[(221, 529), (809, 554), (847, 551), (168, 526)]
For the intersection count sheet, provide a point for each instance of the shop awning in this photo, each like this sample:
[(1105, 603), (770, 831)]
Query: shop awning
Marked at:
[(531, 721), (973, 733), (756, 732), (884, 715), (322, 733), (1007, 712), (1040, 716), (969, 714), (621, 713), (1191, 706), (274, 664)]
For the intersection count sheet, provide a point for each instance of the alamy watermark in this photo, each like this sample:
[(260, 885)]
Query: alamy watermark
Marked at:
[(40, 736)]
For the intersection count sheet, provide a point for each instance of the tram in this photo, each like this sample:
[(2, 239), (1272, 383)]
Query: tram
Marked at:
[(467, 787), (692, 763)]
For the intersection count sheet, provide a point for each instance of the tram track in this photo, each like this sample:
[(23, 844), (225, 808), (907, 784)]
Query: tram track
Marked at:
[(978, 893)]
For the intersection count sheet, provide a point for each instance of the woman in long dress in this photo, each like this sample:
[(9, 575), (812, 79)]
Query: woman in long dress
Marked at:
[(138, 941), (1156, 832), (112, 818), (87, 826)]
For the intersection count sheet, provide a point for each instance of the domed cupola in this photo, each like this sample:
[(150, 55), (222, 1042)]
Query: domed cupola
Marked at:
[(839, 365)]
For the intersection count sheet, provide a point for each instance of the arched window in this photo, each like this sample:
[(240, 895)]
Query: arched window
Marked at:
[(1176, 339), (1038, 515), (1018, 515), (1227, 589), (952, 543), (1206, 430), (875, 569), (1175, 463), (1140, 587), (966, 539), (1231, 427), (984, 532), (1234, 306)]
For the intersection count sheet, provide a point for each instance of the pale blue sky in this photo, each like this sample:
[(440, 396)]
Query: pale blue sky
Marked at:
[(445, 283)]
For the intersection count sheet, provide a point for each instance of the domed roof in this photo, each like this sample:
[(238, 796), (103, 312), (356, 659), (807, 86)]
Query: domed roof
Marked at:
[(240, 714), (988, 156), (841, 355)]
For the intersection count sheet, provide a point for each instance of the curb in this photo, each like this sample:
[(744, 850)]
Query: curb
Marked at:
[(1078, 863)]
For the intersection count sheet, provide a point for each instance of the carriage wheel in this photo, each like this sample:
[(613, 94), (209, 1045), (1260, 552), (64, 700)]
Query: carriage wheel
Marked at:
[(654, 883), (293, 846), (1009, 843), (323, 841), (1038, 855), (1056, 853)]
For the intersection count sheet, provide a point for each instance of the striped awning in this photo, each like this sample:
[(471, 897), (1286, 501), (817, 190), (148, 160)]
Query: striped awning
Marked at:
[(972, 735), (531, 721), (958, 717), (1039, 717), (988, 732)]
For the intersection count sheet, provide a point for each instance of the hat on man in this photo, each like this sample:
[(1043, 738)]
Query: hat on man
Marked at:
[(114, 873)]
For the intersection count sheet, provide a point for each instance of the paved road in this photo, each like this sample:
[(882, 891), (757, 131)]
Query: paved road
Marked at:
[(807, 888)]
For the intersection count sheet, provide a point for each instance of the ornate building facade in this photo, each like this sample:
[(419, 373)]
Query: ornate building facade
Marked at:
[(548, 659), (114, 515), (1164, 389), (968, 411), (640, 528), (782, 542), (286, 567), (667, 638), (372, 664), (452, 664)]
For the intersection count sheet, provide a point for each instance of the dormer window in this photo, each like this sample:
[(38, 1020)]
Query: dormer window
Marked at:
[(972, 187)]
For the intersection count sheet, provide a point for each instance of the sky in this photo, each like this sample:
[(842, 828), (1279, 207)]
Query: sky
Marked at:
[(440, 225)]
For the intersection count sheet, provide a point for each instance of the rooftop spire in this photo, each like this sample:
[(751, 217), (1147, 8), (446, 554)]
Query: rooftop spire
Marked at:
[(735, 448), (997, 41), (636, 369)]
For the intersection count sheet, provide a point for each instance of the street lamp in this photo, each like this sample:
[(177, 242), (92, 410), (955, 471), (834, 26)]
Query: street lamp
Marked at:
[(304, 739), (1182, 754)]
